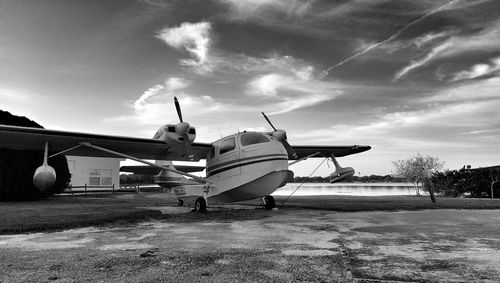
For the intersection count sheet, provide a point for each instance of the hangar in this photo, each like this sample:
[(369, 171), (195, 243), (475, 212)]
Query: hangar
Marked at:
[(96, 173)]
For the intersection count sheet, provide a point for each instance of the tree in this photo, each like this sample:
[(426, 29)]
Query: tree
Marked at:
[(416, 168), (455, 183)]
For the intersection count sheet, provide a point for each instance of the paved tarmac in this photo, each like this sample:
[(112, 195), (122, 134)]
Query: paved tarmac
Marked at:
[(281, 246)]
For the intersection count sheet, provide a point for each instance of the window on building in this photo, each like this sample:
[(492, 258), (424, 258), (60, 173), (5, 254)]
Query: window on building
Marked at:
[(252, 138), (100, 177), (227, 145)]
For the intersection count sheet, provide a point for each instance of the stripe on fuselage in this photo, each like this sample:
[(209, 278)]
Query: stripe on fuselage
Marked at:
[(243, 162)]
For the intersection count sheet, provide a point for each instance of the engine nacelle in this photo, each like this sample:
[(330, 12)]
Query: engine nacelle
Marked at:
[(44, 177), (341, 174), (170, 134)]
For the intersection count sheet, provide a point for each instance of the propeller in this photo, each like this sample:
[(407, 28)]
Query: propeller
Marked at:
[(281, 136), (182, 128), (178, 108)]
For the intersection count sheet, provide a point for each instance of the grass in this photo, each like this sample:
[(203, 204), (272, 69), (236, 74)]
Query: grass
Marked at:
[(64, 212), (387, 203)]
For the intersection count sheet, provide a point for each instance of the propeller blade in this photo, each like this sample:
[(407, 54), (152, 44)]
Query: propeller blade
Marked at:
[(289, 149), (178, 108), (269, 121)]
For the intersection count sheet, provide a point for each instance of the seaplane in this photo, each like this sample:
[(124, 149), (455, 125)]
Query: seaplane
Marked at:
[(242, 166)]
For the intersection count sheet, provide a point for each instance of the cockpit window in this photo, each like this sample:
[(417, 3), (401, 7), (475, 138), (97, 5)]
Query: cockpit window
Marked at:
[(227, 145), (252, 138)]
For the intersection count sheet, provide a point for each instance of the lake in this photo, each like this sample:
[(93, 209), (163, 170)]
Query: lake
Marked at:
[(353, 189)]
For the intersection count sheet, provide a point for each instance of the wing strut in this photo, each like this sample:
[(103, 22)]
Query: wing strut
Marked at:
[(283, 202), (196, 178), (66, 150), (304, 158)]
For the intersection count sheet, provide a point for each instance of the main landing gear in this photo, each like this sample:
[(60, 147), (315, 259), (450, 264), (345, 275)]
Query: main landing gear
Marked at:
[(200, 205), (269, 202)]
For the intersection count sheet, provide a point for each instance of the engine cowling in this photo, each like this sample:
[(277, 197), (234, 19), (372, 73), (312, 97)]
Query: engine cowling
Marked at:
[(174, 134), (44, 177), (341, 174)]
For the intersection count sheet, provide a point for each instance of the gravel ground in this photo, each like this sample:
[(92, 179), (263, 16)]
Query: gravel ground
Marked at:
[(287, 245)]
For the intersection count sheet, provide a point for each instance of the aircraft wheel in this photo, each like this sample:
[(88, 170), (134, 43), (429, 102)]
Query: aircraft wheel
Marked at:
[(180, 202), (200, 205), (269, 202)]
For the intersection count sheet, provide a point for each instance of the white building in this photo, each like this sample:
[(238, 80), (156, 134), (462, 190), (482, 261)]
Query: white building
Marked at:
[(95, 172)]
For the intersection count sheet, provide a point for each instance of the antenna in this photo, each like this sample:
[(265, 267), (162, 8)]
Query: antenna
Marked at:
[(220, 133)]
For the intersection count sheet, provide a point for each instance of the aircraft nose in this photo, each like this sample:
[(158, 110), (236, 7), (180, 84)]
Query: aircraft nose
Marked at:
[(182, 128)]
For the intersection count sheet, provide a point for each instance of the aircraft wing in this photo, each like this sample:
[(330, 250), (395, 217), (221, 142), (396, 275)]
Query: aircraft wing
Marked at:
[(149, 170), (303, 151), (19, 138)]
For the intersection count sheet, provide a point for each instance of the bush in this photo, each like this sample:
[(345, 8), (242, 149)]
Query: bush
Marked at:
[(454, 183)]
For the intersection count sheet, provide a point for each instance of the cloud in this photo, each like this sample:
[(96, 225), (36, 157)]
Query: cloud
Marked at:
[(392, 36), (430, 37), (479, 70), (171, 86), (156, 103), (192, 37), (242, 10), (461, 117), (468, 91), (487, 40), (420, 62), (292, 89)]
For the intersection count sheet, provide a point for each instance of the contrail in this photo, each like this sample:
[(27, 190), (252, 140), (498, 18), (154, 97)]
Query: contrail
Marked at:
[(396, 34)]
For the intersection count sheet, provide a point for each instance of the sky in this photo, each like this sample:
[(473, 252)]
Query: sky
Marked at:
[(405, 77)]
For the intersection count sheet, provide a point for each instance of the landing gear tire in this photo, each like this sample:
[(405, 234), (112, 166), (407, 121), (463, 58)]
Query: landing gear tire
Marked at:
[(200, 205), (180, 202), (269, 202)]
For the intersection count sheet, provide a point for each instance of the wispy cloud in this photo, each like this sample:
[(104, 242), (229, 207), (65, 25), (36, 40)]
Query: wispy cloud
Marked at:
[(258, 8), (422, 61), (487, 40), (467, 91), (479, 70), (155, 106), (292, 89), (390, 38), (195, 38), (171, 86), (290, 82)]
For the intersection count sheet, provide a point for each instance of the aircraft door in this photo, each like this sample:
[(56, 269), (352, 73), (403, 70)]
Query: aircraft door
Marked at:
[(226, 162)]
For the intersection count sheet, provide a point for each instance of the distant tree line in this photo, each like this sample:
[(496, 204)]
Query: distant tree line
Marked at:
[(18, 166), (353, 179)]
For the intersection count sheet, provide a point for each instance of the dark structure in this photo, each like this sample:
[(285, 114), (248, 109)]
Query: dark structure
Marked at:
[(17, 167)]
